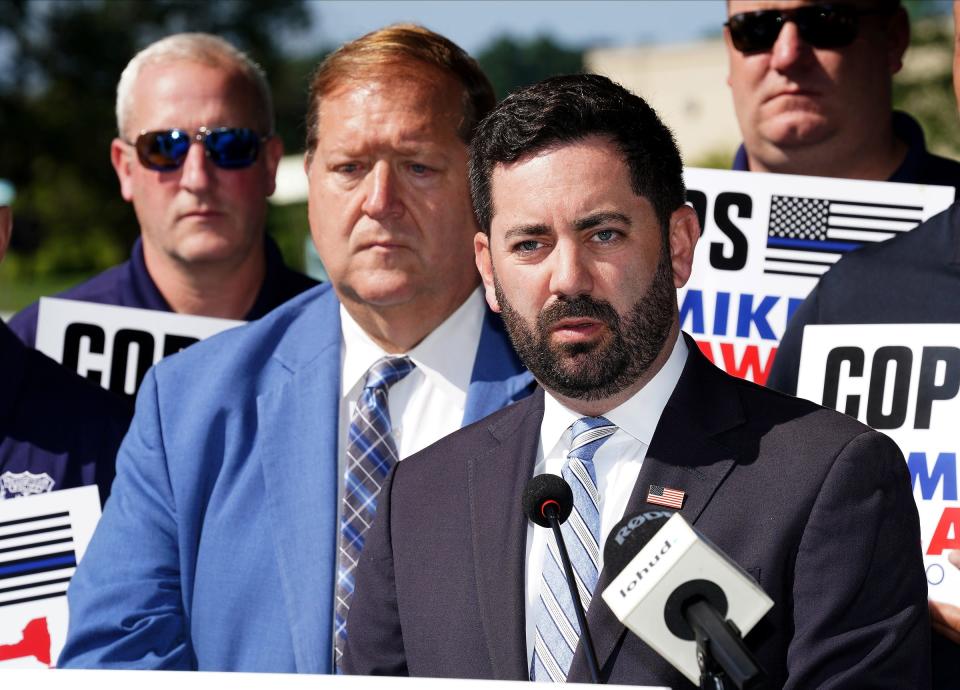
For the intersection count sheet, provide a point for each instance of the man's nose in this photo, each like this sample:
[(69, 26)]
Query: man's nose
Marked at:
[(571, 274), (381, 199), (196, 173), (789, 49)]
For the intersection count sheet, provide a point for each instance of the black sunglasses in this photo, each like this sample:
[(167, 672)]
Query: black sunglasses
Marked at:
[(230, 148), (821, 26)]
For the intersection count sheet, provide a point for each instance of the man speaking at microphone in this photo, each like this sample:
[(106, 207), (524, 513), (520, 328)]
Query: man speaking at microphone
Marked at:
[(585, 237)]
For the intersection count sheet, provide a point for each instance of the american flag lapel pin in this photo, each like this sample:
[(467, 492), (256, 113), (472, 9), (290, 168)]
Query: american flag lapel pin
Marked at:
[(665, 496)]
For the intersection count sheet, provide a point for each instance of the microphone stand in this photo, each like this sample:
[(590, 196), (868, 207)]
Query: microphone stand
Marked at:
[(712, 676), (724, 659), (552, 514)]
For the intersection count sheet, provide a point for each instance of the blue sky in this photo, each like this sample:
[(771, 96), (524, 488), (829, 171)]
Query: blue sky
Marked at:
[(472, 24)]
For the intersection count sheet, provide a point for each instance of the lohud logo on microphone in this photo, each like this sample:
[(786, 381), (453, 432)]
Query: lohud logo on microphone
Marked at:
[(646, 570)]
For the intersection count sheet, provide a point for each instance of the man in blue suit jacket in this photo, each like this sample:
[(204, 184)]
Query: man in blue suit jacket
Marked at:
[(219, 545)]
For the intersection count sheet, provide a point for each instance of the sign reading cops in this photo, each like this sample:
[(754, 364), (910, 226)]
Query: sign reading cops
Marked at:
[(115, 346), (903, 380), (766, 241)]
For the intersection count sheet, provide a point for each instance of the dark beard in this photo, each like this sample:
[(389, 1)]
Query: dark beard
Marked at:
[(597, 370)]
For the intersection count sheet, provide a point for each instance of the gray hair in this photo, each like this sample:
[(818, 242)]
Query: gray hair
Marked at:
[(202, 48)]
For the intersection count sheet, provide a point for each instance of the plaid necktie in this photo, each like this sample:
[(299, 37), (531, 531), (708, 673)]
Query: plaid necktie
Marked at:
[(371, 452), (557, 631)]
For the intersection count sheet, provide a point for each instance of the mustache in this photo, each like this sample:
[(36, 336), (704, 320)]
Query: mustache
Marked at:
[(582, 306)]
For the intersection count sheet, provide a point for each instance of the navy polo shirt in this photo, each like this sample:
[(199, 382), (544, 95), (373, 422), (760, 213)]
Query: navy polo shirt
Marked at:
[(130, 285), (57, 430), (919, 167)]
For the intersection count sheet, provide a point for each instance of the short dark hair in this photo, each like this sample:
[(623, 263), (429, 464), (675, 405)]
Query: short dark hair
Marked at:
[(565, 109)]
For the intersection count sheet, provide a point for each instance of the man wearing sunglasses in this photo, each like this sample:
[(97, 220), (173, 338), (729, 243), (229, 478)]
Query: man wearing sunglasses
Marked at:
[(812, 86), (252, 468), (196, 155)]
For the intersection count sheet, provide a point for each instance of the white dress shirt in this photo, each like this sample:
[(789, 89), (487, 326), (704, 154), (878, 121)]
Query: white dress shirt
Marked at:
[(428, 403), (617, 462)]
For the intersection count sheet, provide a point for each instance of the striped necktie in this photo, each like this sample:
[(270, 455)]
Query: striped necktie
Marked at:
[(557, 630), (371, 453)]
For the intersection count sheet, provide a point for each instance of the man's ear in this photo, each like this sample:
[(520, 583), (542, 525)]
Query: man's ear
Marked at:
[(898, 39), (728, 42), (481, 249), (121, 156), (684, 232), (273, 152)]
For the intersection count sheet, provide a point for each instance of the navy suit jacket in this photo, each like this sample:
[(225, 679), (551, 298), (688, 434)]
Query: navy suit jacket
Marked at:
[(814, 504), (217, 548)]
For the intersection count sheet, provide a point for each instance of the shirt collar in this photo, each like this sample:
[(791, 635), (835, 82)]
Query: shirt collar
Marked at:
[(439, 356), (147, 293), (905, 128), (638, 416), (908, 130), (270, 291), (740, 160)]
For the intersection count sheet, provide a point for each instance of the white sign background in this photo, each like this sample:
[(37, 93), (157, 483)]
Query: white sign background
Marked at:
[(57, 326), (82, 506), (735, 310), (928, 450)]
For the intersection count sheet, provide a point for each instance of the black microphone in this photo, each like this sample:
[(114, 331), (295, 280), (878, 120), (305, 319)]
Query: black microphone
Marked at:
[(685, 598), (548, 501)]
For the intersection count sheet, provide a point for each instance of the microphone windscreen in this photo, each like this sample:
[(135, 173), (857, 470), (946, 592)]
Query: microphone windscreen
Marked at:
[(542, 489), (630, 535)]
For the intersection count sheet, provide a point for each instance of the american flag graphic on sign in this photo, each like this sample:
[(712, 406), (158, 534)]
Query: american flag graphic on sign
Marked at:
[(663, 496), (806, 236), (37, 558)]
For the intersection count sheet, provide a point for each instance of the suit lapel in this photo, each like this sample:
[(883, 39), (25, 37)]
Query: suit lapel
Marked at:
[(498, 377), (297, 446), (683, 454), (499, 530)]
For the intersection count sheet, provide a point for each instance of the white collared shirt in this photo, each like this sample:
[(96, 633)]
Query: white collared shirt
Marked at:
[(617, 462), (429, 402)]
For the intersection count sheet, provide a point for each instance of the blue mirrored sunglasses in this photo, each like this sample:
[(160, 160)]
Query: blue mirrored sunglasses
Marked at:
[(230, 148)]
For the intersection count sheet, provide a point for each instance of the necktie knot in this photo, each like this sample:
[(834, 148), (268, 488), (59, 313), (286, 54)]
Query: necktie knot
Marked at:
[(386, 371), (587, 435)]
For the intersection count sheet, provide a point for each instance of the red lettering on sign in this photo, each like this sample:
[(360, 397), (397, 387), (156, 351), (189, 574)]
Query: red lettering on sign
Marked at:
[(749, 365), (942, 540)]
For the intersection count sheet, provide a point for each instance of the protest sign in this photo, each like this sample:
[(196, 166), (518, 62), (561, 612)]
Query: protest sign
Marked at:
[(115, 346), (767, 239), (42, 538), (903, 380)]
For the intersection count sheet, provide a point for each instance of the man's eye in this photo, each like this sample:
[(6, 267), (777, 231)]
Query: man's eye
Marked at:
[(419, 168), (606, 235), (527, 246), (347, 168)]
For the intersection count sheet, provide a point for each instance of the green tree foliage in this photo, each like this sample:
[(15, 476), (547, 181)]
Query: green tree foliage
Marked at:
[(926, 90), (62, 60), (511, 62)]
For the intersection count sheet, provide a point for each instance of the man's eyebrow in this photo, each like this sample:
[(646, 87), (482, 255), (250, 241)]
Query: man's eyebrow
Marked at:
[(599, 218), (533, 230)]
